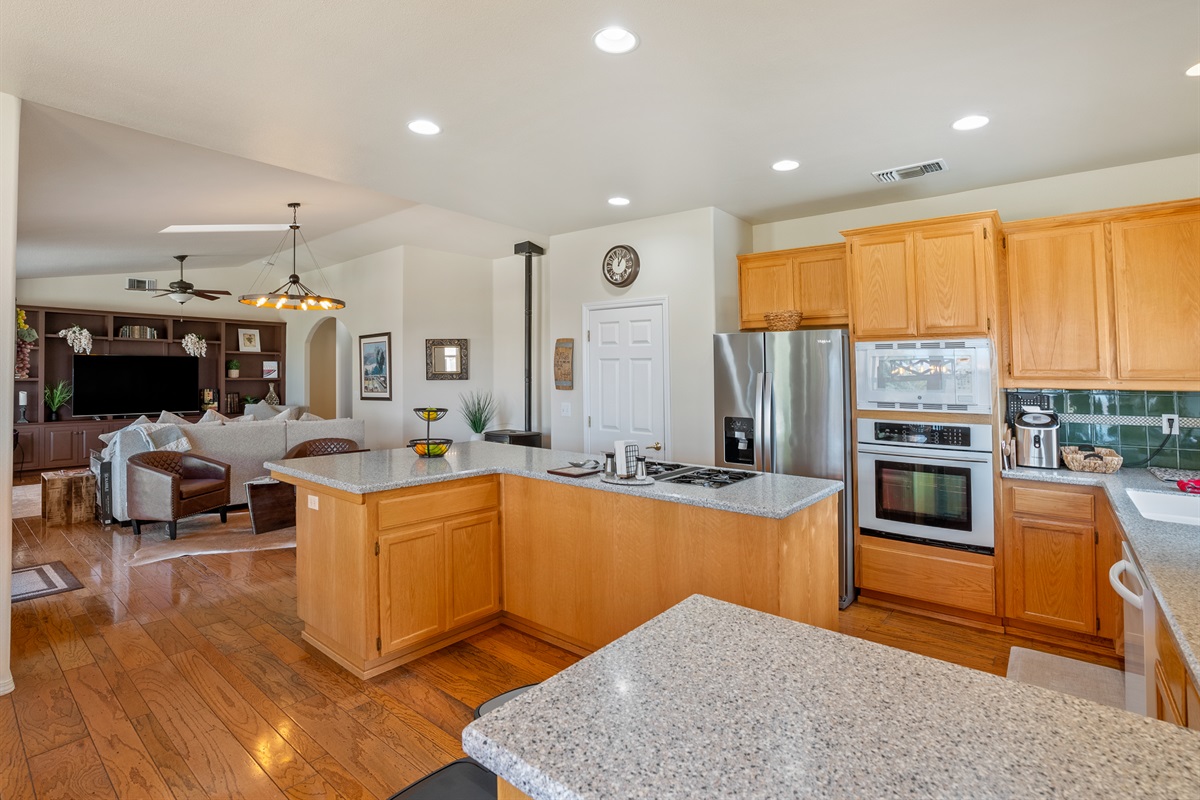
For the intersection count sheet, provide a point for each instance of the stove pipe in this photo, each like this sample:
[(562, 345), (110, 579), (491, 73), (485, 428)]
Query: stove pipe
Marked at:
[(529, 250)]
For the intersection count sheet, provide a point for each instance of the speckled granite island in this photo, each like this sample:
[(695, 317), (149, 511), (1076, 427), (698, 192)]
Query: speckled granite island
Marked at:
[(712, 700), (398, 556)]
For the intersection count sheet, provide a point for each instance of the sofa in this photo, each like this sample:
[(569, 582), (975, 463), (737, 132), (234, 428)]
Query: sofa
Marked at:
[(245, 445)]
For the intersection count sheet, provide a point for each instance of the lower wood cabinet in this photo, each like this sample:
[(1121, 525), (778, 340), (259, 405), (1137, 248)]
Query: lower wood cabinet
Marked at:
[(1058, 546), (1176, 698), (437, 576), (27, 450), (68, 444), (950, 579)]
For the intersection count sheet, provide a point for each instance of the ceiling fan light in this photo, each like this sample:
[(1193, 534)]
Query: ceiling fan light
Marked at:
[(180, 297)]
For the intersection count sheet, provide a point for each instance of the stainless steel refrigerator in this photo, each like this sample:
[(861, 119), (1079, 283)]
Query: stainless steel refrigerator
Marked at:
[(783, 405)]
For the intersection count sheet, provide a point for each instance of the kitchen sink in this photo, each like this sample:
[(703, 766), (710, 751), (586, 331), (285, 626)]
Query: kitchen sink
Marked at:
[(1179, 507)]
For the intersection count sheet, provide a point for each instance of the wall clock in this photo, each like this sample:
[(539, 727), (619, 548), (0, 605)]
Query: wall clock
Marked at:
[(620, 265)]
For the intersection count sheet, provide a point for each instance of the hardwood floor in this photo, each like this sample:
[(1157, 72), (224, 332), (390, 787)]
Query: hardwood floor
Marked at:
[(188, 679)]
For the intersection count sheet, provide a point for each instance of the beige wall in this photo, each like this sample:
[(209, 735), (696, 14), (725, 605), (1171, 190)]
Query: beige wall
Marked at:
[(1133, 184), (10, 126)]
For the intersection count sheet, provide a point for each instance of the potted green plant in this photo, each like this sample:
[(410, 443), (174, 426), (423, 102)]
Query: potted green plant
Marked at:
[(233, 368), (478, 409), (57, 396)]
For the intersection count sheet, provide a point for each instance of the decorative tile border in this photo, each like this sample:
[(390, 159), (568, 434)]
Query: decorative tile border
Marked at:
[(1114, 419)]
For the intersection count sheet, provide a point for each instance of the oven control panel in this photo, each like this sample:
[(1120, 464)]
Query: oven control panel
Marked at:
[(930, 435), (903, 433)]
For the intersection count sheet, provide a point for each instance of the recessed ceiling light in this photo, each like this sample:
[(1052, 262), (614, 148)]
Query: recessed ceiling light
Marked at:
[(615, 40), (970, 123), (1193, 71), (424, 127), (787, 165), (618, 201)]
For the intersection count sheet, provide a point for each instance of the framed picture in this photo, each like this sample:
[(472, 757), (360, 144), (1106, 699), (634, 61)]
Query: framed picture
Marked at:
[(446, 360), (375, 366), (270, 370), (248, 341)]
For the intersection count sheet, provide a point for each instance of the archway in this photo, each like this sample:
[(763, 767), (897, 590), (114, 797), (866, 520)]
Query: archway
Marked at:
[(329, 369)]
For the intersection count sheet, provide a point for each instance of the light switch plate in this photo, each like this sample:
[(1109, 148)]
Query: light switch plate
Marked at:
[(565, 409), (313, 502)]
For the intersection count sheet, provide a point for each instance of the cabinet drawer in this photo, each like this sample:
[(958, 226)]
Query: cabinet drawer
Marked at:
[(1054, 504), (935, 575), (450, 500)]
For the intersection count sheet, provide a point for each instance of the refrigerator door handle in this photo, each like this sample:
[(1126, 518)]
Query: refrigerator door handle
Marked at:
[(768, 423), (759, 442)]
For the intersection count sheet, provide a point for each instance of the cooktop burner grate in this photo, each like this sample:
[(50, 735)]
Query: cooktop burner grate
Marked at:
[(712, 478)]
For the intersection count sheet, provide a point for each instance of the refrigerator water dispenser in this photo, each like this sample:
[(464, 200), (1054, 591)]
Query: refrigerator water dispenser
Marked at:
[(739, 440)]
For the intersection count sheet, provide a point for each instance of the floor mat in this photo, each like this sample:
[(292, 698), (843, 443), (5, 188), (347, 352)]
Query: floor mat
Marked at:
[(44, 579), (27, 501), (206, 534), (1067, 675)]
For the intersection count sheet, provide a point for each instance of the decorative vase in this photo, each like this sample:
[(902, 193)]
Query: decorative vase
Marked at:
[(271, 399), (232, 373), (53, 416), (21, 367), (476, 437)]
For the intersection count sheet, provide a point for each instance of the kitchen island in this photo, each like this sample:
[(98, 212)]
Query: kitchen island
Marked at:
[(714, 700), (397, 556)]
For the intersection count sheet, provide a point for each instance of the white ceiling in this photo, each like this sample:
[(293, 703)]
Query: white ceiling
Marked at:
[(540, 128)]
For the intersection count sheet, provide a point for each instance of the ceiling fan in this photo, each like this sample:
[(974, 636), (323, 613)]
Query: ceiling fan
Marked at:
[(182, 291)]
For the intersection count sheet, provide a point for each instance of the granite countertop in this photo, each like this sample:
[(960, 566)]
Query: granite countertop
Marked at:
[(1167, 552), (711, 699), (765, 495)]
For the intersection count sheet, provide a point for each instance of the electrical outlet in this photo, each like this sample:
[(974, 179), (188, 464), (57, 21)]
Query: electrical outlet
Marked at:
[(1170, 423), (313, 502), (565, 410)]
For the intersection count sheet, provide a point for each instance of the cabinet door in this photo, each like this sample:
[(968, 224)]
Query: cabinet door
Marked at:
[(473, 557), (1050, 574), (1156, 264), (764, 284), (882, 302), (1192, 710), (951, 268), (60, 446), (1059, 308), (27, 454), (89, 440), (819, 285), (412, 585)]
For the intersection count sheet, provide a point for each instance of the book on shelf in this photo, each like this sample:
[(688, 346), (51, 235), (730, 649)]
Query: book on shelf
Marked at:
[(137, 332)]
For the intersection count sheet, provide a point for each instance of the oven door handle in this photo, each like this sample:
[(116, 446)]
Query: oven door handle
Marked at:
[(901, 452)]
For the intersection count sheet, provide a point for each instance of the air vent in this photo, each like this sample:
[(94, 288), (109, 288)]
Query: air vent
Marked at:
[(139, 285), (911, 171)]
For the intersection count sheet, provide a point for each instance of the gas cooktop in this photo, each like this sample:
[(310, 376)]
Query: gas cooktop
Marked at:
[(708, 477)]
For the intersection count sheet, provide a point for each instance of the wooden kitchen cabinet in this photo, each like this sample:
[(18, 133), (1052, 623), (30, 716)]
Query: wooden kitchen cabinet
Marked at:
[(811, 280), (1104, 299), (1170, 676), (1059, 312), (1156, 282), (932, 278), (1058, 546)]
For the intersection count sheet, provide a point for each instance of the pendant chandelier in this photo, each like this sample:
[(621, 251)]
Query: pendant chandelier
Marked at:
[(293, 295)]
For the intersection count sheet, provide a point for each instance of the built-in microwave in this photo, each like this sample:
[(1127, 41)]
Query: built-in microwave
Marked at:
[(925, 376)]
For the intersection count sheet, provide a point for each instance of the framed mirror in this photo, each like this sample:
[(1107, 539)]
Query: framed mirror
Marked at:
[(446, 360)]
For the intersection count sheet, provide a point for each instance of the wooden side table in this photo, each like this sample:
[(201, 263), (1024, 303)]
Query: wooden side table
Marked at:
[(272, 505), (68, 496)]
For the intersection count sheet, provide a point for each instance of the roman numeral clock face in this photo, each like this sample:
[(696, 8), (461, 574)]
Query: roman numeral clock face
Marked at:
[(620, 265)]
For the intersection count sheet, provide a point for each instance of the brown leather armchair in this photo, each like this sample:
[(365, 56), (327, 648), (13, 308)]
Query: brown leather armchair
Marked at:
[(165, 486), (323, 447)]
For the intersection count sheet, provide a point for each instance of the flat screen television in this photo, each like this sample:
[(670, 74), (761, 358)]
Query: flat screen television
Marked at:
[(115, 385)]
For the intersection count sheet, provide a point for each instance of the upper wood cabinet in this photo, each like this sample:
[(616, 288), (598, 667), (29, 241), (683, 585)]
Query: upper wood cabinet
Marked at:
[(1050, 338), (931, 278), (811, 280), (1107, 298), (1156, 281)]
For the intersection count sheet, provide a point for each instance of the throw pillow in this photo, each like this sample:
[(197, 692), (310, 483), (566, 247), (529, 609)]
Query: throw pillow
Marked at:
[(108, 437), (288, 413), (244, 418), (165, 437), (212, 415), (263, 410), (167, 418), (307, 417)]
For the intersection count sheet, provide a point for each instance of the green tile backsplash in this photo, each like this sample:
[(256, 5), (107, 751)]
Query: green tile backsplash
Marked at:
[(1133, 442)]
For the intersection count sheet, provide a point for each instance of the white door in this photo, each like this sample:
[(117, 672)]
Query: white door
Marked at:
[(626, 381)]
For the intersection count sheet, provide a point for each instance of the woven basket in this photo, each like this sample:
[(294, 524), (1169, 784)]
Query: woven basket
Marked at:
[(1103, 460), (783, 320)]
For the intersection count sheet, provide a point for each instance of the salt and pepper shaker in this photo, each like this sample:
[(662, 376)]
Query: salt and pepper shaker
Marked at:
[(639, 472), (610, 465)]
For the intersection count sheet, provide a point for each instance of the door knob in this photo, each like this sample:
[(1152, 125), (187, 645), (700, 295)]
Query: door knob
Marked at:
[(655, 446)]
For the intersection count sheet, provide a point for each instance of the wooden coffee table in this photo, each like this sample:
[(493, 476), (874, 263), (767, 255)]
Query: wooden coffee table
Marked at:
[(68, 496), (272, 505)]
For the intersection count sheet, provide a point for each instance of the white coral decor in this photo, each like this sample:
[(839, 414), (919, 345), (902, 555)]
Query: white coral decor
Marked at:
[(79, 338), (194, 345)]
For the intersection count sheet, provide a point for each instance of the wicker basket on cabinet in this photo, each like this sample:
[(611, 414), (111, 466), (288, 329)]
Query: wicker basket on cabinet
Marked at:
[(783, 320)]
